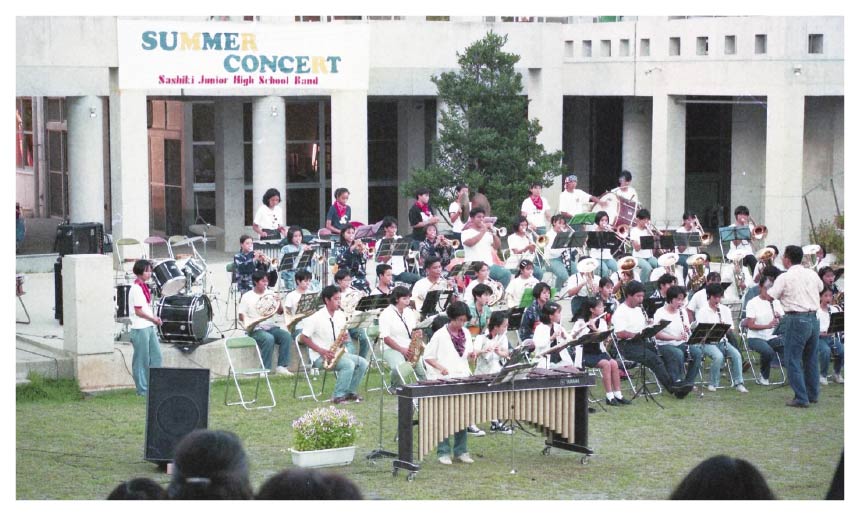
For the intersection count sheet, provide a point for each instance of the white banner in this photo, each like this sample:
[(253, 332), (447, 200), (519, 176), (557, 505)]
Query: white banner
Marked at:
[(163, 54)]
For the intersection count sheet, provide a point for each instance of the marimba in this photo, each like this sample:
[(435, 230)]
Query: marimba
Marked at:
[(554, 401)]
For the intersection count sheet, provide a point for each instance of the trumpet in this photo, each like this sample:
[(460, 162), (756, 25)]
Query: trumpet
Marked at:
[(501, 232), (759, 232), (707, 238), (444, 242), (360, 246)]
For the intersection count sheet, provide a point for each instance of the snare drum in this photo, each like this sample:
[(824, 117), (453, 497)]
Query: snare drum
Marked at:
[(193, 268), (121, 301), (184, 318), (168, 278)]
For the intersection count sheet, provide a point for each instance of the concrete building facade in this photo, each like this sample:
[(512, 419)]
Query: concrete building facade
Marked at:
[(707, 113)]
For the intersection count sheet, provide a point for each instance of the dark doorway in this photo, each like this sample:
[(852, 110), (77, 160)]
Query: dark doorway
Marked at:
[(607, 118), (709, 162)]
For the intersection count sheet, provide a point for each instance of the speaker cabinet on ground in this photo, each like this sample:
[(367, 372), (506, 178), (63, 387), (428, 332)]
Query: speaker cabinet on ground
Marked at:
[(177, 404)]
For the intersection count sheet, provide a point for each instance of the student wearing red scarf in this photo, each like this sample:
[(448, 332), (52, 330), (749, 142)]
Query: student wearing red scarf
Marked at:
[(144, 337), (536, 209), (421, 214), (339, 214)]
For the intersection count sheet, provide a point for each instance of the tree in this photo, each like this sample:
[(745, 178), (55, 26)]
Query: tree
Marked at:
[(486, 140)]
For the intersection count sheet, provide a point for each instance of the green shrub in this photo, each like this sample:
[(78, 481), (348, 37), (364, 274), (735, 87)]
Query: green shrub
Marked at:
[(826, 233)]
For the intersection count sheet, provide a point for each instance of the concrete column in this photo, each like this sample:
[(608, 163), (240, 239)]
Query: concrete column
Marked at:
[(86, 159), (88, 313), (349, 149), (270, 150), (546, 102), (229, 173), (636, 146), (668, 136), (783, 201), (129, 163)]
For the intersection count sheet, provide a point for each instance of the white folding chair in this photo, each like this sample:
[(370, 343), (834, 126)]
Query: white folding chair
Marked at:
[(233, 345)]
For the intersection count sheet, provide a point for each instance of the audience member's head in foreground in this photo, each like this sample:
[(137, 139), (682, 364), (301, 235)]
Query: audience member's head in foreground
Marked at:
[(210, 465), (138, 489), (308, 484), (723, 478)]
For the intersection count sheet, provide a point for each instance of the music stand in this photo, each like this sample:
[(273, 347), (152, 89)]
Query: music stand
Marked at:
[(730, 233), (837, 323), (667, 241), (432, 300), (288, 262), (368, 230), (648, 242), (687, 240), (307, 303), (646, 335), (603, 240), (583, 218), (518, 366), (652, 305), (374, 302)]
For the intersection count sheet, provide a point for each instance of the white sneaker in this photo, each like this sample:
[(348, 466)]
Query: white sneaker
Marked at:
[(823, 380), (837, 378), (475, 431), (740, 388), (465, 458), (446, 460), (763, 381), (283, 370), (711, 388)]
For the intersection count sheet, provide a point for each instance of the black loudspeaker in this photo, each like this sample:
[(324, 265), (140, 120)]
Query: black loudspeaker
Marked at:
[(58, 290), (177, 404), (79, 238)]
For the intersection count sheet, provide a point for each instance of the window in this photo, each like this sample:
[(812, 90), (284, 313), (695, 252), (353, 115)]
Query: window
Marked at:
[(730, 45), (586, 48), (248, 147), (605, 48), (56, 157), (816, 43), (382, 159), (308, 130), (644, 47), (702, 46), (674, 46), (761, 43), (568, 49), (624, 48), (24, 133)]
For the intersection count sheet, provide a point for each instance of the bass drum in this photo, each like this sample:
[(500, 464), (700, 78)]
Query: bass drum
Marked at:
[(168, 277), (184, 318), (611, 204)]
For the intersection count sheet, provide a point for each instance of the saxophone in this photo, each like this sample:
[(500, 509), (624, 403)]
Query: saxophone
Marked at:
[(416, 347), (737, 272), (338, 347)]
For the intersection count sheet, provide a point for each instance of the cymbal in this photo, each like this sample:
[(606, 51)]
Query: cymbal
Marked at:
[(207, 229), (189, 240)]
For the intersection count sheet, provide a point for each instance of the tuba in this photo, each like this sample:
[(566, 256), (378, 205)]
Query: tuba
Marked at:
[(668, 261), (625, 273), (696, 263), (765, 256), (810, 256), (737, 258), (587, 267), (416, 346)]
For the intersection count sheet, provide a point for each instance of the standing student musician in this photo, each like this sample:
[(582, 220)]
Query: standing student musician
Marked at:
[(536, 209), (421, 214), (267, 220), (143, 334), (447, 355), (798, 290), (459, 210), (339, 213)]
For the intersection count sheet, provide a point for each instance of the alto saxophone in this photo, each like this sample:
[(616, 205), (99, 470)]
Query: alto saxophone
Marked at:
[(416, 347), (338, 347)]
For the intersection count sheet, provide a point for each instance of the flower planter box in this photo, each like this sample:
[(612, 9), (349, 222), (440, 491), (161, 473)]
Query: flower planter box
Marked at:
[(323, 458)]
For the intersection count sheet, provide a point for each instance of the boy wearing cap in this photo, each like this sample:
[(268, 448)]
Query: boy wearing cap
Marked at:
[(572, 201)]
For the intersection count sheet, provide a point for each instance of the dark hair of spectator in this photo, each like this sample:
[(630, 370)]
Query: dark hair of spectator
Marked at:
[(723, 478), (210, 465), (138, 489), (308, 484)]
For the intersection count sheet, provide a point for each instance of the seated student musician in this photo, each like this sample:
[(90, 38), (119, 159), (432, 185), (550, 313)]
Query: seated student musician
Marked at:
[(628, 321), (715, 312), (398, 264), (828, 277), (583, 284), (550, 333), (672, 342), (349, 298), (322, 330), (700, 297), (828, 345), (743, 246), (492, 348), (265, 333), (433, 281), (339, 213), (590, 319), (644, 257), (664, 283), (531, 315), (606, 295), (762, 317), (479, 310), (447, 355), (246, 261), (521, 246), (295, 245), (291, 301), (421, 214), (685, 251), (384, 280), (434, 245), (481, 272), (396, 330), (760, 265), (560, 262), (481, 243), (523, 281)]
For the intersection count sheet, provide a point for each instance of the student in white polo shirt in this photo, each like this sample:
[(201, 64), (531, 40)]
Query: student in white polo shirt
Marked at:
[(536, 209), (480, 243), (144, 337)]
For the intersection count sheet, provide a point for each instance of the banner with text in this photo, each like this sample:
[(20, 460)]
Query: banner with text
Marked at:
[(155, 54)]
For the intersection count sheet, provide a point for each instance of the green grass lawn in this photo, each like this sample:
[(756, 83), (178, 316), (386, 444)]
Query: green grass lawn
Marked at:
[(82, 447)]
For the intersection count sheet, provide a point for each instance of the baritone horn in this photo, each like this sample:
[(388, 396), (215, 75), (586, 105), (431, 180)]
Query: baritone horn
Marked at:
[(810, 256), (765, 256), (759, 232)]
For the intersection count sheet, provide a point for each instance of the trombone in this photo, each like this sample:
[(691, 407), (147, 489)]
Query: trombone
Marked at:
[(759, 232), (707, 238)]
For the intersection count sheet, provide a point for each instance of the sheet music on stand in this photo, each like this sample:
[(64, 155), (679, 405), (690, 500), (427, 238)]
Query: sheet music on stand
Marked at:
[(651, 331), (288, 262), (603, 240), (368, 231), (649, 242), (708, 333), (361, 320), (432, 302), (693, 239), (308, 303), (667, 241), (516, 368), (837, 323), (570, 239), (374, 302), (392, 247), (588, 338), (583, 219), (653, 304), (729, 233)]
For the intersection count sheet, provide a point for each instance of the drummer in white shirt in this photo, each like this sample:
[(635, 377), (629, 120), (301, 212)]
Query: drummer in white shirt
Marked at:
[(536, 209), (573, 201), (624, 189)]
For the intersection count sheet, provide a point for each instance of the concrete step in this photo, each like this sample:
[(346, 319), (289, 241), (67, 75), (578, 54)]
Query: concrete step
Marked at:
[(31, 357)]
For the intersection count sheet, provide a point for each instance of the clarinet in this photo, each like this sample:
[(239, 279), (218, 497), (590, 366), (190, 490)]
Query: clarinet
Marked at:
[(687, 356)]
